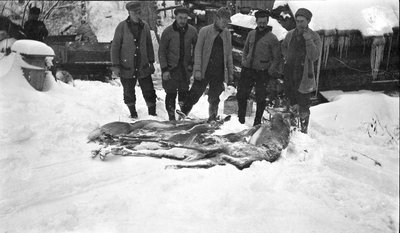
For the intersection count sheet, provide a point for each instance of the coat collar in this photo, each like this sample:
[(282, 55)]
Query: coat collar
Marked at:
[(176, 28), (266, 30), (219, 30), (140, 22)]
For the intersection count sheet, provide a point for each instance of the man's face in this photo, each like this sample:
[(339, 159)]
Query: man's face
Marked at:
[(181, 19), (33, 16), (301, 23), (135, 13), (262, 23), (222, 23)]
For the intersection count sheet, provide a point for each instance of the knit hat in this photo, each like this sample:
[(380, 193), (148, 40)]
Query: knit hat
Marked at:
[(133, 5), (224, 13), (183, 10), (304, 12), (34, 11), (261, 14)]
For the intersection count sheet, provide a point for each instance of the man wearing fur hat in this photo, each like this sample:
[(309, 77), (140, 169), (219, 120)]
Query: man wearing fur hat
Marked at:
[(301, 48), (132, 57), (213, 63), (34, 28), (260, 61), (176, 59)]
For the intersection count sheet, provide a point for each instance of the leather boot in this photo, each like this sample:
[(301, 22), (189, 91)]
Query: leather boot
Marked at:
[(304, 119), (259, 113), (186, 108), (152, 110), (242, 105), (132, 110), (212, 112), (170, 106)]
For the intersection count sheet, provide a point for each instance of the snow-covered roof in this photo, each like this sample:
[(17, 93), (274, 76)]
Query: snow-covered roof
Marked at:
[(249, 21), (370, 17)]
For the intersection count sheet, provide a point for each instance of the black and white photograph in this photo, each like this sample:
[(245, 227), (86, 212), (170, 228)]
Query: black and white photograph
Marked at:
[(262, 116)]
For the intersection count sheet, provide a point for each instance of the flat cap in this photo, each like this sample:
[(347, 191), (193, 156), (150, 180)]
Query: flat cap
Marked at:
[(183, 10), (261, 14), (133, 5), (304, 12), (34, 10)]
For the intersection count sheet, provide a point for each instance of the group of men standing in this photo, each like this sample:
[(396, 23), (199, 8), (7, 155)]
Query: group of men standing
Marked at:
[(208, 57)]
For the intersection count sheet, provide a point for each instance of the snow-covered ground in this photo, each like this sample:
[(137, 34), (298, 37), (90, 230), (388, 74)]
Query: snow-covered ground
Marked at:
[(322, 183)]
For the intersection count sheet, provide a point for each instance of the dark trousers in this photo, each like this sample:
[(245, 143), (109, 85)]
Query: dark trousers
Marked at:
[(178, 85), (216, 87), (146, 84), (250, 78), (303, 100)]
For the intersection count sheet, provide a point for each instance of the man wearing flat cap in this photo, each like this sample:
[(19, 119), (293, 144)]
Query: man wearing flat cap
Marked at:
[(213, 64), (301, 49), (260, 60), (176, 54), (132, 58), (34, 28)]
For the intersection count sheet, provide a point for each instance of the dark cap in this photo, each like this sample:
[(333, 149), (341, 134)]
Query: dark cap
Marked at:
[(132, 5), (224, 13), (34, 11), (183, 10), (304, 12), (261, 14)]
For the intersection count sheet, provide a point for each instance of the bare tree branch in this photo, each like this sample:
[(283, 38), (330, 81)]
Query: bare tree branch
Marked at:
[(43, 2), (4, 7), (23, 16), (47, 15)]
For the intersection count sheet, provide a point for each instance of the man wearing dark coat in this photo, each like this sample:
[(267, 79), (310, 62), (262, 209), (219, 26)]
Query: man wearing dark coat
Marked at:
[(260, 60), (132, 58), (301, 48), (34, 28), (176, 54)]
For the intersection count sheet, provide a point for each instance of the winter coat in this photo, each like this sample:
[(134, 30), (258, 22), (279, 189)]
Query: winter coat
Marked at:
[(35, 30), (313, 50), (123, 50), (169, 49), (266, 52), (203, 49)]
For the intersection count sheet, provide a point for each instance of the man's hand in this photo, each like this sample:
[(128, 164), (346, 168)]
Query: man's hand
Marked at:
[(152, 68), (307, 35), (166, 76), (190, 68), (232, 84), (197, 75), (116, 72)]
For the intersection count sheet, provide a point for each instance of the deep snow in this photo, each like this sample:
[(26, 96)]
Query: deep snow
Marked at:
[(49, 183)]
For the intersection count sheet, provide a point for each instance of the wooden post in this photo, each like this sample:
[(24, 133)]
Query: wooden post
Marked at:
[(319, 66), (390, 48)]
